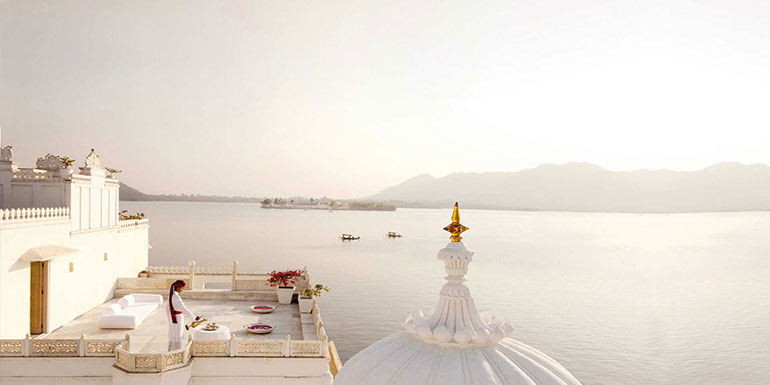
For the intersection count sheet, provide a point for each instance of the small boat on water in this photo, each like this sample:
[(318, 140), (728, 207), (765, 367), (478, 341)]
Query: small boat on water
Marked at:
[(349, 237), (392, 234)]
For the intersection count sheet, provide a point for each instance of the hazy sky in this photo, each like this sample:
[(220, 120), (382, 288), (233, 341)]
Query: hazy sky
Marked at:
[(344, 98)]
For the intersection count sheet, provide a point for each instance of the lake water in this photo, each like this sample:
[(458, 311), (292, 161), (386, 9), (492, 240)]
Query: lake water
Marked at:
[(618, 299)]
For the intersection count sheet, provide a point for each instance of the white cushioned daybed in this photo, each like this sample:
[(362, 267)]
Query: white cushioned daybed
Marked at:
[(130, 311)]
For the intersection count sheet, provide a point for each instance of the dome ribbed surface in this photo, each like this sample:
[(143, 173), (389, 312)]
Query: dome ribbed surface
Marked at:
[(402, 359)]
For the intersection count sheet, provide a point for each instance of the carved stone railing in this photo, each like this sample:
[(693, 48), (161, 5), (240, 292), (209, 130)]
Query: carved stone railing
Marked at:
[(33, 214), (242, 278), (35, 175), (144, 283), (207, 270), (164, 361), (152, 362), (81, 347), (259, 348), (335, 363), (131, 223)]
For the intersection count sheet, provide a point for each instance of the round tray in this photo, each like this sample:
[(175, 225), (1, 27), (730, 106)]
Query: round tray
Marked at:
[(267, 328), (268, 309)]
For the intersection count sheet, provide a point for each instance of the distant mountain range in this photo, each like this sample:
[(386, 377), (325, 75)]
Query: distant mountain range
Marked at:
[(586, 187), (128, 193)]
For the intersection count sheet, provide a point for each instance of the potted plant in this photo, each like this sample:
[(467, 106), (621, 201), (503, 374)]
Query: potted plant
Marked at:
[(111, 172), (308, 296), (66, 171), (125, 216), (284, 282)]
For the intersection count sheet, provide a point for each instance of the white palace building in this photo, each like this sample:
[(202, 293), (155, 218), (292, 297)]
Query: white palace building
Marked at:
[(80, 305)]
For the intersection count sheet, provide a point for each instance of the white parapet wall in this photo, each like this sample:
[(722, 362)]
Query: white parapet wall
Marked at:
[(77, 282), (56, 370)]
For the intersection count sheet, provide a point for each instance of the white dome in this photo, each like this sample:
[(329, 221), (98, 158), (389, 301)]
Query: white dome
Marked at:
[(454, 343), (402, 359)]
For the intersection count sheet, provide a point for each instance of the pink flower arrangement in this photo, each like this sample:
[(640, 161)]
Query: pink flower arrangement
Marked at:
[(284, 278), (260, 327)]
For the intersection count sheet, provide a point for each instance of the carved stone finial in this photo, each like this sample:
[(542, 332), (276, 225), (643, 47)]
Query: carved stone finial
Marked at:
[(6, 154), (455, 228), (50, 162), (92, 160)]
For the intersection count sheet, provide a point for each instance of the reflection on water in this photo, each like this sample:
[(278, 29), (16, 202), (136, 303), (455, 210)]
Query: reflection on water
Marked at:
[(616, 298)]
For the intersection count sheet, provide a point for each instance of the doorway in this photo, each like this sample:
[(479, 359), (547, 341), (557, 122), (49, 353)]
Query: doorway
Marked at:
[(38, 298)]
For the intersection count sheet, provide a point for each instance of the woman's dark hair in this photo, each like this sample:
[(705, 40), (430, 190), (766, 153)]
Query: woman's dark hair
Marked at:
[(177, 284)]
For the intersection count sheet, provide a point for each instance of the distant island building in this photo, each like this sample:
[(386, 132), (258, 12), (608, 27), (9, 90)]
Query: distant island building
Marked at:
[(325, 204)]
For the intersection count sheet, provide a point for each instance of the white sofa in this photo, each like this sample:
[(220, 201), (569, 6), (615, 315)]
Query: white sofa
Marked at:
[(130, 311)]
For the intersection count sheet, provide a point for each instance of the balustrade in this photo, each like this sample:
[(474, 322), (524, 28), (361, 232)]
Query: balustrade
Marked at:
[(34, 175), (81, 347), (34, 213), (129, 223)]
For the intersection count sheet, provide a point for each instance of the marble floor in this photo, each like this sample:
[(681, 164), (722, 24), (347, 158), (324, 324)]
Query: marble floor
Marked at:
[(152, 334)]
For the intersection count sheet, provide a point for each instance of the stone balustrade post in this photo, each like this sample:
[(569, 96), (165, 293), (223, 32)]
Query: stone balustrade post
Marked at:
[(160, 362), (235, 275), (26, 347), (82, 346), (192, 275), (324, 345), (233, 345), (287, 346)]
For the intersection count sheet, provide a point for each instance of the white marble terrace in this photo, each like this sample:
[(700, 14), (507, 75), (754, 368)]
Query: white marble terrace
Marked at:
[(145, 348)]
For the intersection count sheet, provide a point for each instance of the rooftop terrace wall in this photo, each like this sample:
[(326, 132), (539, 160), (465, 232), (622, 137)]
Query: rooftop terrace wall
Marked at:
[(76, 282)]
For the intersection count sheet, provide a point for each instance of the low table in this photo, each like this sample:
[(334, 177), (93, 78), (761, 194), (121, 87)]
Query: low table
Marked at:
[(223, 333)]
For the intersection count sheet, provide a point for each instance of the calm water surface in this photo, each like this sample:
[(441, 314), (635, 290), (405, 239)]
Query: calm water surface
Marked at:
[(618, 299)]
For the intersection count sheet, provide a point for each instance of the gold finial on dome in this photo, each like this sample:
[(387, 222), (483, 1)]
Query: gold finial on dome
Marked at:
[(455, 227)]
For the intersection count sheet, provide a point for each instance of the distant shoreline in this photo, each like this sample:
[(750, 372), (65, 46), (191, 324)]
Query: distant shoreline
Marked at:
[(354, 206), (130, 194), (467, 207)]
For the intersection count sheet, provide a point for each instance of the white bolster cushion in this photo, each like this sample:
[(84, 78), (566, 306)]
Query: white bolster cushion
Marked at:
[(118, 321), (126, 301), (112, 309)]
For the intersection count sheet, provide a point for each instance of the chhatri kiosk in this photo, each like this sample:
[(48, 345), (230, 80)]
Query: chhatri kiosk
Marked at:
[(453, 344)]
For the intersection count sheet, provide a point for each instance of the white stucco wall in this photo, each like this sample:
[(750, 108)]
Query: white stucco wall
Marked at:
[(69, 293), (25, 194), (56, 370), (230, 371), (93, 203), (15, 240)]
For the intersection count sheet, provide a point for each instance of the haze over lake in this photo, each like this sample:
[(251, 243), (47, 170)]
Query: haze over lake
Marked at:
[(618, 299)]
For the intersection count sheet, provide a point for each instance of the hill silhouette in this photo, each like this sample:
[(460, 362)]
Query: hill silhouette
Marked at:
[(587, 187)]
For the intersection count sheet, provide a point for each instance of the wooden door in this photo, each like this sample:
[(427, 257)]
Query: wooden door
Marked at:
[(38, 298)]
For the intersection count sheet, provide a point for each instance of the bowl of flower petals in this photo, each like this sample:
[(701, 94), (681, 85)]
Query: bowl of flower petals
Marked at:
[(258, 328), (262, 309)]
